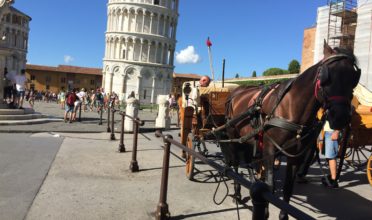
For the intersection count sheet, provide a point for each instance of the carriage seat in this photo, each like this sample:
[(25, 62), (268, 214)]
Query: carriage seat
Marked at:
[(197, 91), (362, 116)]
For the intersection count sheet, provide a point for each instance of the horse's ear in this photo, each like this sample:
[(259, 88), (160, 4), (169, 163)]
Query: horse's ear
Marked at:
[(327, 50)]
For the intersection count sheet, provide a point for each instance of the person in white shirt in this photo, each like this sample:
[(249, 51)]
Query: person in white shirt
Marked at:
[(80, 99), (20, 81)]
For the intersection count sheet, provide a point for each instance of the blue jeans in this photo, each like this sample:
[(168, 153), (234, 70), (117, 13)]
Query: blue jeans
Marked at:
[(331, 147)]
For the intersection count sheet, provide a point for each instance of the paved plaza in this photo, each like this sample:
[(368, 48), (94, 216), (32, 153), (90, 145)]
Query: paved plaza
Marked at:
[(73, 171)]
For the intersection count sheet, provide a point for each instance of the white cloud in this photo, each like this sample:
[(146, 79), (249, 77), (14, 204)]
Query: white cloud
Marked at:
[(68, 59), (187, 55)]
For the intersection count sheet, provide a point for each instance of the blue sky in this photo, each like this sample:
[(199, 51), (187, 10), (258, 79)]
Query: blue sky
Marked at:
[(250, 35)]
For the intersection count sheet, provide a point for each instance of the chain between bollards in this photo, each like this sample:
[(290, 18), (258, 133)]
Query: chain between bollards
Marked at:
[(121, 145), (134, 164), (162, 211)]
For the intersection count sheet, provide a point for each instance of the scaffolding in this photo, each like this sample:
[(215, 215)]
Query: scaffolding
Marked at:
[(342, 23)]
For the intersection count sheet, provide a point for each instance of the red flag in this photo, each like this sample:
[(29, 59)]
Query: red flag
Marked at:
[(209, 43)]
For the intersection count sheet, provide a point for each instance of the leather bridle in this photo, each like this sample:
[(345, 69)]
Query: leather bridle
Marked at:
[(323, 75)]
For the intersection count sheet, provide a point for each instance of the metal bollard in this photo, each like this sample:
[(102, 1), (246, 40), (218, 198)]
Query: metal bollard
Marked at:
[(108, 119), (162, 211), (258, 201), (100, 116), (121, 145), (80, 111), (134, 164), (112, 136)]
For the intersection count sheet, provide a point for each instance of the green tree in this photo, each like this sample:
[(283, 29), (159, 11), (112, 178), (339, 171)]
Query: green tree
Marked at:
[(274, 71), (254, 74), (294, 67), (237, 75)]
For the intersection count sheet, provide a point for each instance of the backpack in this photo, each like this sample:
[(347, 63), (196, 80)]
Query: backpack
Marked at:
[(99, 96), (71, 98)]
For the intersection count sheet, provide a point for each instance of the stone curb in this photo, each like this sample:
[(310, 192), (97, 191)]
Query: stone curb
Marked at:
[(30, 121)]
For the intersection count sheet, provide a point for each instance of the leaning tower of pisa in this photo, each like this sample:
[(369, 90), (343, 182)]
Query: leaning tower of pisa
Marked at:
[(140, 45)]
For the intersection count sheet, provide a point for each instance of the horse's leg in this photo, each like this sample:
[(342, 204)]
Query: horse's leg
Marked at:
[(237, 188), (268, 154), (290, 177)]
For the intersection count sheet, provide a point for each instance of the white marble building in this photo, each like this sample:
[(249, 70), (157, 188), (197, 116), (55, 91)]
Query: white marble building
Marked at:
[(140, 45), (363, 37), (14, 31)]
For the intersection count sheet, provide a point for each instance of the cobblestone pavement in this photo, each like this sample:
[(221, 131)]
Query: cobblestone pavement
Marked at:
[(89, 121)]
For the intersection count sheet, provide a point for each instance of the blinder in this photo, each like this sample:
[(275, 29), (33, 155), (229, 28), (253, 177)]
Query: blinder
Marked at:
[(323, 75)]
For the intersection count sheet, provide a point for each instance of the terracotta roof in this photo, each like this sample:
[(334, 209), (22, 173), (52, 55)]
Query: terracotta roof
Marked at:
[(186, 75), (66, 69)]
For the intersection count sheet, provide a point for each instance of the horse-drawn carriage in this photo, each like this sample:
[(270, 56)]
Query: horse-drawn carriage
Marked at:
[(276, 119), (359, 147), (202, 109)]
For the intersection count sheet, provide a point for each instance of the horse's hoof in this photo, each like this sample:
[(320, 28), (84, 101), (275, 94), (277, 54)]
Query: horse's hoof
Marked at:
[(283, 216), (237, 199)]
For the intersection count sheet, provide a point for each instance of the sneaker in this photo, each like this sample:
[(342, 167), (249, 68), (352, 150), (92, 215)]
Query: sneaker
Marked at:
[(333, 184)]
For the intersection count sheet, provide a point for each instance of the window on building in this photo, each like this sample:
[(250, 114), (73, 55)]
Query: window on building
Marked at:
[(33, 77), (15, 19), (78, 81), (123, 54), (47, 87), (63, 80), (8, 18), (32, 86), (144, 94), (156, 2), (92, 81), (15, 40), (48, 79)]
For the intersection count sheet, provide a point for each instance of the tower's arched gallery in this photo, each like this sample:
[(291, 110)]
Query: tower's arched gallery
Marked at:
[(140, 44)]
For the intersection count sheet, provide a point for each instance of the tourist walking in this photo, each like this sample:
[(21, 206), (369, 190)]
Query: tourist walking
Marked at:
[(62, 100), (31, 97), (331, 152), (70, 105), (8, 87), (20, 81), (99, 99)]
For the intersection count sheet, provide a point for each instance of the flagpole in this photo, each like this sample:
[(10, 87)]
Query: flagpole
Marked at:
[(209, 44)]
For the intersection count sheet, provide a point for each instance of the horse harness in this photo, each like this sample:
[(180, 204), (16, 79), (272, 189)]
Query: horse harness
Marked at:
[(261, 124)]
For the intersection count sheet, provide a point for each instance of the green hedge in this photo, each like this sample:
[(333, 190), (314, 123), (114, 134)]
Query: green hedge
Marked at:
[(258, 82)]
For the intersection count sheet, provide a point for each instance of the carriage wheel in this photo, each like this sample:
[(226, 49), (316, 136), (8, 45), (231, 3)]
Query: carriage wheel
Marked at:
[(190, 160), (357, 157), (369, 170)]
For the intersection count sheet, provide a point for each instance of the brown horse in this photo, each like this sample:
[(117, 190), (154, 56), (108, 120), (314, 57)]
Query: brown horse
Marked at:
[(284, 116)]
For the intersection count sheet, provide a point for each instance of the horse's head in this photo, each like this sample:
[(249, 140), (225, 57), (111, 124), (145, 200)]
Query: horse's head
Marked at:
[(337, 76)]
